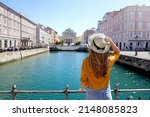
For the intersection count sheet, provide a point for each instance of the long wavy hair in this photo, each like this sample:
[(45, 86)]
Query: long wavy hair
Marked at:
[(99, 63)]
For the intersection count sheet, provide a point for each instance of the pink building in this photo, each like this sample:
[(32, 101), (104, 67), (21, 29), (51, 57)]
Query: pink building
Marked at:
[(129, 27)]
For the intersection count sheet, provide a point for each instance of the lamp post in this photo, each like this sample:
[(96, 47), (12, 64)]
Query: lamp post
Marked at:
[(136, 49)]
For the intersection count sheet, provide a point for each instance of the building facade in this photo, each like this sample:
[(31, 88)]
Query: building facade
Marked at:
[(87, 34), (28, 32), (54, 35), (129, 27), (20, 32), (69, 36), (42, 37), (9, 27)]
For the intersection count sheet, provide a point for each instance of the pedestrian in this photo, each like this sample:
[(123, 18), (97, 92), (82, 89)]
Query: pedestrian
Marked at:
[(96, 67)]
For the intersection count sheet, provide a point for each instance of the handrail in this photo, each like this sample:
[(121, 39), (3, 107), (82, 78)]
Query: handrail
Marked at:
[(116, 91)]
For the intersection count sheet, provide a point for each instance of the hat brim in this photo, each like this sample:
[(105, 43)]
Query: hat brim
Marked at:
[(107, 47), (92, 46)]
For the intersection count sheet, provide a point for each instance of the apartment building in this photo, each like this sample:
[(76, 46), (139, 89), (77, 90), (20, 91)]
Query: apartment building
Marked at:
[(129, 27), (9, 27), (27, 32), (42, 37), (86, 35), (54, 35), (18, 31)]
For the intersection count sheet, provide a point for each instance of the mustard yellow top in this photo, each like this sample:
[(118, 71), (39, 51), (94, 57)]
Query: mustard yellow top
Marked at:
[(87, 76)]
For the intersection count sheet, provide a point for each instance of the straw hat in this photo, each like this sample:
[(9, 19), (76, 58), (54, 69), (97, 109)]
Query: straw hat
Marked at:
[(98, 43)]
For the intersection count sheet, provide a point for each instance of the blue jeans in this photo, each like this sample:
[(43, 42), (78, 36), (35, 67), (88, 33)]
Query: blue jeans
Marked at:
[(104, 94)]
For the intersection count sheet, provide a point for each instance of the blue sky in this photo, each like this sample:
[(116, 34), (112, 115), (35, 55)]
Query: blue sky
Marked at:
[(78, 15)]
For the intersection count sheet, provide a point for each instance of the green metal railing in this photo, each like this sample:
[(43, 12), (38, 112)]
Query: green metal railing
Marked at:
[(66, 91)]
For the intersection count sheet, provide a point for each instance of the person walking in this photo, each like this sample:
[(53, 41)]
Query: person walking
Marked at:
[(96, 67)]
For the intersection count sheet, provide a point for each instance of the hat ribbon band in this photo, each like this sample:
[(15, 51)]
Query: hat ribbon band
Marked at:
[(97, 47)]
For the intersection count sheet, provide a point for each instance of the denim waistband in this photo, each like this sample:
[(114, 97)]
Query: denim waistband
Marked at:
[(106, 88)]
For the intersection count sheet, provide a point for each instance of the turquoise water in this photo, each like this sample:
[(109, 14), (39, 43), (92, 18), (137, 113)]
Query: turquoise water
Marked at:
[(56, 69)]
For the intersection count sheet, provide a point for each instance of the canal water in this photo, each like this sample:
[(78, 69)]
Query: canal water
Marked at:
[(53, 70)]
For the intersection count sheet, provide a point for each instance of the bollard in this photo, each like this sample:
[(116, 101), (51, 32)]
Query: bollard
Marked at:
[(136, 53), (66, 91), (116, 92), (13, 92)]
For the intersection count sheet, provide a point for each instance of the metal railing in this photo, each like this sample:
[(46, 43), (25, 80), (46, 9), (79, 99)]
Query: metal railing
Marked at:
[(66, 91)]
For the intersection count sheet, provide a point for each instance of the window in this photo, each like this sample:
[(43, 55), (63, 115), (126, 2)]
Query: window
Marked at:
[(124, 35), (124, 16), (4, 20), (120, 27), (120, 18), (148, 25), (15, 43), (140, 14), (10, 43), (131, 34), (5, 30), (140, 25), (10, 22), (124, 26), (131, 14), (148, 14), (132, 25), (148, 34), (124, 44), (5, 11), (5, 43)]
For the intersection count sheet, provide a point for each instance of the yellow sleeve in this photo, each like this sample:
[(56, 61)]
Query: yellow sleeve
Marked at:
[(83, 78), (114, 57)]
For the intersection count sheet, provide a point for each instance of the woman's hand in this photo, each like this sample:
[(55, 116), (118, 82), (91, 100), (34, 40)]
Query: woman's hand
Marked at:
[(81, 90), (108, 39), (113, 45)]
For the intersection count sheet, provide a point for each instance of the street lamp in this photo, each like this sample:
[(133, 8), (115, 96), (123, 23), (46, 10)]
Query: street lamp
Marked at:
[(136, 49)]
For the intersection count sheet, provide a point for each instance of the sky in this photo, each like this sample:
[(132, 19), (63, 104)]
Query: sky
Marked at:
[(79, 15)]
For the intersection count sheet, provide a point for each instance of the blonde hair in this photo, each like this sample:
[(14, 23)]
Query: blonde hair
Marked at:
[(99, 63)]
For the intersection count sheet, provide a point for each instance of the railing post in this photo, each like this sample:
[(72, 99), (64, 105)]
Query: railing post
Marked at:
[(116, 92), (13, 92), (139, 98), (128, 98), (66, 91)]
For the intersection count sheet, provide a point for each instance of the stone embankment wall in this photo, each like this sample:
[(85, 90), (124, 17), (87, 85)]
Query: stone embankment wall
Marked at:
[(139, 63), (15, 55)]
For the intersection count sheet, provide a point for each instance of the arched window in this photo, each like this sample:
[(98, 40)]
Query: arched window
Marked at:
[(146, 45), (131, 46), (120, 46), (5, 43), (117, 44), (10, 43), (132, 25), (15, 43)]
